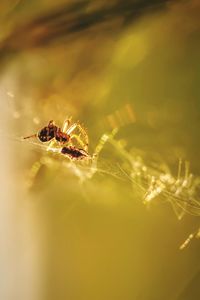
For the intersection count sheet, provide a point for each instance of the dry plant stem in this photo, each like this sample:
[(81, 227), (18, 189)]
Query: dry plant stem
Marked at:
[(180, 191), (195, 234)]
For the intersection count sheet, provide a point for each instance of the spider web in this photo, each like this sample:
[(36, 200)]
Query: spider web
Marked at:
[(149, 183)]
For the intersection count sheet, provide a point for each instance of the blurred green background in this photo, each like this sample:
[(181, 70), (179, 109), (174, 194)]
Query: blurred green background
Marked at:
[(92, 60)]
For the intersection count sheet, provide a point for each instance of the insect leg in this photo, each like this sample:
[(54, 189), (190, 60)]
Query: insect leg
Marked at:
[(52, 145), (66, 124), (80, 142), (84, 137)]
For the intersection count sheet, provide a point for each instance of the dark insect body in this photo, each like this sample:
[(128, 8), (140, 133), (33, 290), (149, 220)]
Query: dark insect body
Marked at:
[(74, 153), (47, 133), (54, 134), (52, 131)]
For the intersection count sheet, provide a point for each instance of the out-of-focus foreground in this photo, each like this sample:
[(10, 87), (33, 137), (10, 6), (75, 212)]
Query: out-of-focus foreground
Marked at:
[(114, 227)]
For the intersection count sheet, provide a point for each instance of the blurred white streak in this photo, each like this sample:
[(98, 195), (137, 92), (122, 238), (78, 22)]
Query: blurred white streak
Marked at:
[(20, 270), (125, 115)]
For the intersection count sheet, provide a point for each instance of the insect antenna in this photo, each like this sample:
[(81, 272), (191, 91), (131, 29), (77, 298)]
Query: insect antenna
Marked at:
[(30, 136)]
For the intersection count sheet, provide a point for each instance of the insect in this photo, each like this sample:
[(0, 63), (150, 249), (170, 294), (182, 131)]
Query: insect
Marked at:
[(68, 143)]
